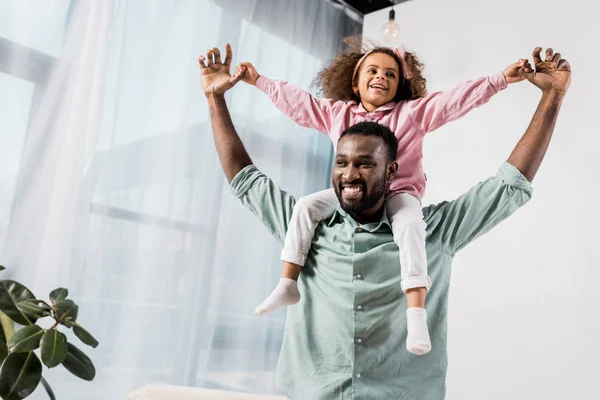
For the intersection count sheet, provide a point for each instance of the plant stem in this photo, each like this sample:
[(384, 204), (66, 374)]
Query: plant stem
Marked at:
[(48, 389)]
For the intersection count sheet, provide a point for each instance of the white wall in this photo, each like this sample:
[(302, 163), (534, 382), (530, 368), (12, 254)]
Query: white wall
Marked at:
[(524, 320)]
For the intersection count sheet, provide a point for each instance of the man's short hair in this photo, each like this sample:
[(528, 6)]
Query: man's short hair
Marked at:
[(375, 129)]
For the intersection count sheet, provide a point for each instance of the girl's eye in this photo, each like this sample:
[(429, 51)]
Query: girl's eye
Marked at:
[(391, 75), (371, 71)]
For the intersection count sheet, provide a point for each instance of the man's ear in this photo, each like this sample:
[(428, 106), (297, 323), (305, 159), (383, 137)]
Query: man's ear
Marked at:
[(392, 168)]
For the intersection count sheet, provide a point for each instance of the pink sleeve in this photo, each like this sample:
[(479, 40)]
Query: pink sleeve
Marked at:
[(299, 105), (437, 109)]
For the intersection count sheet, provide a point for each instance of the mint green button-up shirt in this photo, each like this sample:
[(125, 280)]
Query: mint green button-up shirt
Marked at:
[(346, 337)]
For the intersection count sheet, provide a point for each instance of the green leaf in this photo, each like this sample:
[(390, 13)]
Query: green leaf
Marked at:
[(32, 310), (20, 375), (26, 339), (79, 364), (40, 303), (84, 335), (2, 268), (3, 347), (54, 348), (49, 390), (66, 309), (59, 294), (12, 293)]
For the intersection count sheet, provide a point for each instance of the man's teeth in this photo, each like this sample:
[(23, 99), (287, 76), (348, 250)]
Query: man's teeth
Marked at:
[(352, 189)]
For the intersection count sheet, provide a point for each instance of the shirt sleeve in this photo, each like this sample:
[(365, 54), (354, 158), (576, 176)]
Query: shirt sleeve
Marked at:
[(301, 106), (455, 224), (265, 199), (437, 109)]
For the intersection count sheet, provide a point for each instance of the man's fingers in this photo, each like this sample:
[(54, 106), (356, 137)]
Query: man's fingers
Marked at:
[(209, 57), (556, 58), (228, 54), (201, 61), (563, 65), (549, 54), (536, 55), (217, 54)]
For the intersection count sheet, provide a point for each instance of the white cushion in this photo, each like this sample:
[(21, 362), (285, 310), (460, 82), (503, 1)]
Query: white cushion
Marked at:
[(165, 392)]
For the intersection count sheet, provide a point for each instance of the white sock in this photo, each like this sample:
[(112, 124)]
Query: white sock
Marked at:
[(417, 341), (285, 294)]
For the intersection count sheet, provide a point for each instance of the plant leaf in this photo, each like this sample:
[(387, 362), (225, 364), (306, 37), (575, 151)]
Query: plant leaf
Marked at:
[(40, 303), (26, 339), (66, 309), (2, 268), (32, 310), (20, 375), (49, 390), (54, 348), (84, 335), (79, 364), (3, 347), (11, 293), (59, 294)]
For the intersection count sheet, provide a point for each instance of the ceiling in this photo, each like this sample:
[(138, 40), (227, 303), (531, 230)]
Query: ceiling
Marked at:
[(368, 6)]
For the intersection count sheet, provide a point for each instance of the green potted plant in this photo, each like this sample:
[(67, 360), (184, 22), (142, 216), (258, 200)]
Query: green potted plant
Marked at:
[(21, 370)]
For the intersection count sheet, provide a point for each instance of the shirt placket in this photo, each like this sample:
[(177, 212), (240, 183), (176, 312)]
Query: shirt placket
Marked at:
[(360, 310)]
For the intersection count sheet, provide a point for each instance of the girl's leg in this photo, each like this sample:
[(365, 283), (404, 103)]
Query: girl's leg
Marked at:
[(308, 212), (405, 214)]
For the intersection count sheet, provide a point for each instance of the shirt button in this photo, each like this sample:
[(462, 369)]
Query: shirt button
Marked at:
[(358, 375), (358, 276), (359, 229), (359, 340), (359, 307)]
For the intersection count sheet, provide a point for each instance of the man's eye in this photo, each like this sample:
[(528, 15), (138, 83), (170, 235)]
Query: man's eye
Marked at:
[(340, 163)]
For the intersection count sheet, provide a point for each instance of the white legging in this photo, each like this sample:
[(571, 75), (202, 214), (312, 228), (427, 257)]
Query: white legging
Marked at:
[(408, 227)]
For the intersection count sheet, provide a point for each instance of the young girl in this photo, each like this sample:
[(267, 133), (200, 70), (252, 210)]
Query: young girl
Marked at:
[(385, 86)]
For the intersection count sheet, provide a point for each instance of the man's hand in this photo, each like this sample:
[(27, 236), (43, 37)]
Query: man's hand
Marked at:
[(250, 74), (551, 75), (215, 76), (513, 74)]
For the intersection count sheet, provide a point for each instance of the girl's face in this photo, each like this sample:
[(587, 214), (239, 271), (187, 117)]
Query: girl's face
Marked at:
[(378, 79)]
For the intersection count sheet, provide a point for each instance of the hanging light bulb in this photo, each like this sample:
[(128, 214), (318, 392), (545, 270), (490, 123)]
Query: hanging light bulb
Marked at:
[(390, 30)]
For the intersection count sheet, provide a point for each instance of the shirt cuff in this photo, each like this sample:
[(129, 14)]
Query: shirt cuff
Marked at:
[(498, 81), (263, 83), (243, 180), (511, 176)]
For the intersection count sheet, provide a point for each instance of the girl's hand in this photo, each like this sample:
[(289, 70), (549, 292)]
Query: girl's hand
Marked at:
[(513, 73), (250, 74)]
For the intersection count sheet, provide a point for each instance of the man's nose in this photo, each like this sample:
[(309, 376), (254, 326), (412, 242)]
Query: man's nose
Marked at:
[(351, 173)]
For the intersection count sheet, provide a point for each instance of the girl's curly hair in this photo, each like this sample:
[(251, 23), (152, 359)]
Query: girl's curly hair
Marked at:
[(335, 81)]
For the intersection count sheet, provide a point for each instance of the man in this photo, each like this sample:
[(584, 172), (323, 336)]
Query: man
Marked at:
[(345, 338)]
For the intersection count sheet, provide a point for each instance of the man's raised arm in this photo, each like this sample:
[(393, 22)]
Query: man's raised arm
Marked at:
[(455, 224), (216, 80), (553, 77)]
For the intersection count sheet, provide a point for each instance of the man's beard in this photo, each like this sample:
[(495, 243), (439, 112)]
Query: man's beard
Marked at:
[(369, 199)]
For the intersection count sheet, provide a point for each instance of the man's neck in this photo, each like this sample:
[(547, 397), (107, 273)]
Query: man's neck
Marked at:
[(368, 216)]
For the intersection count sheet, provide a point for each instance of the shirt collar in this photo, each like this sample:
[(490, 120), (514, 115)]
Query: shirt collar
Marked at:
[(359, 109), (340, 215)]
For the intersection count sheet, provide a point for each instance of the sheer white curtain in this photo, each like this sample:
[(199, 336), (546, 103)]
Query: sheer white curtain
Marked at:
[(111, 185)]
